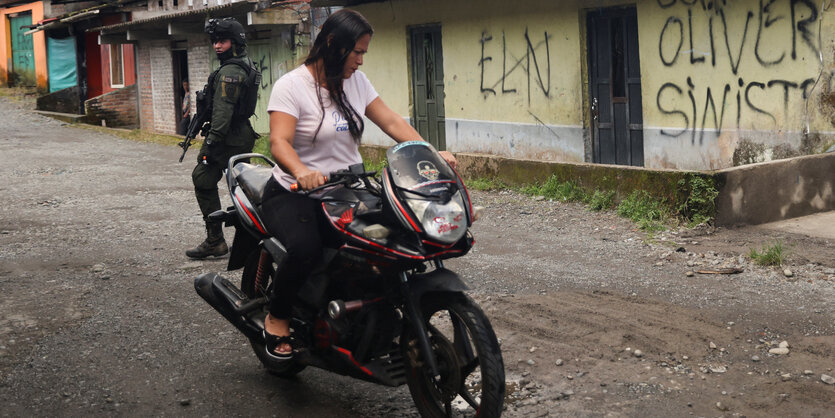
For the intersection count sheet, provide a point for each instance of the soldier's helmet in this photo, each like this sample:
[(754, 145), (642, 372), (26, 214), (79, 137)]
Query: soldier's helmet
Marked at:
[(226, 28)]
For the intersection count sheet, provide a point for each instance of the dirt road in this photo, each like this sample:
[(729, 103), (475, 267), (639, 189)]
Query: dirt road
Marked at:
[(98, 315)]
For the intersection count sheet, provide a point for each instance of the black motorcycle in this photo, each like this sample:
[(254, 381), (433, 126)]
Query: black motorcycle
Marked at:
[(381, 307)]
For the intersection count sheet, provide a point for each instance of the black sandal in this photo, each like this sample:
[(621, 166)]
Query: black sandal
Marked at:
[(272, 342)]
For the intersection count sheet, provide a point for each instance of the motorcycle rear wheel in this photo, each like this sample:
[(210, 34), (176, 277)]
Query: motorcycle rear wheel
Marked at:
[(472, 381), (254, 288)]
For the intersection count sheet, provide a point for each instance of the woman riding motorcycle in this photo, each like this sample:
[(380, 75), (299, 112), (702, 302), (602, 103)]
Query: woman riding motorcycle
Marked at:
[(316, 125)]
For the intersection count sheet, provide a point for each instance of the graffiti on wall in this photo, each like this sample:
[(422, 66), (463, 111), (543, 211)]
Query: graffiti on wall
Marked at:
[(535, 62), (734, 36), (272, 62)]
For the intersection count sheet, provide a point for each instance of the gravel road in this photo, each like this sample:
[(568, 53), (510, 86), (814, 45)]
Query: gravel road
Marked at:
[(98, 314)]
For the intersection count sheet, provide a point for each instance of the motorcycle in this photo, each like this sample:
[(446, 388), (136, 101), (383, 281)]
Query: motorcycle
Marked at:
[(381, 306)]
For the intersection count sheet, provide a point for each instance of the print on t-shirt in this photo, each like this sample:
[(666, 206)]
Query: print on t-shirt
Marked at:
[(339, 122)]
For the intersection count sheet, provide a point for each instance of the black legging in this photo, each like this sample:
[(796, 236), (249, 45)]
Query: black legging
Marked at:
[(294, 219)]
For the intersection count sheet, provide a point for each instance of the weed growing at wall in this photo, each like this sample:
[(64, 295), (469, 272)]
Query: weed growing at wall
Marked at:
[(699, 202), (649, 213), (601, 200), (566, 191), (375, 165), (484, 183), (769, 255)]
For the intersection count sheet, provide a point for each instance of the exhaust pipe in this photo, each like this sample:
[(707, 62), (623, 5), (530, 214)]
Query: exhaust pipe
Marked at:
[(230, 302)]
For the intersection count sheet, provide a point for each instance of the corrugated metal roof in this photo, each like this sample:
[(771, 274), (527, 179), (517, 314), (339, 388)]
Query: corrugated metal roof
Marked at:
[(187, 15)]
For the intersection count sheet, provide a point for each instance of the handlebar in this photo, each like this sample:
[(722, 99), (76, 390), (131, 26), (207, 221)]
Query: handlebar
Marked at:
[(295, 186), (352, 175)]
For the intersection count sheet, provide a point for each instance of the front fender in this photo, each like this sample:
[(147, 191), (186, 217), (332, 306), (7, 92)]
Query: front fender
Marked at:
[(438, 280)]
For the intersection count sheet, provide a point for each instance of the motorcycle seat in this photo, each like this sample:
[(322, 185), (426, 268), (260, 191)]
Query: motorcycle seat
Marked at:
[(253, 180)]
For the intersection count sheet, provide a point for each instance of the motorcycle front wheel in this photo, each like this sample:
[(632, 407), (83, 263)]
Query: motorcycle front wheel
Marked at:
[(255, 285), (471, 371)]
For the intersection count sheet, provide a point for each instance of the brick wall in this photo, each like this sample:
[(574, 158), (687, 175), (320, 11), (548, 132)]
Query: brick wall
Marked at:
[(198, 52), (117, 108), (162, 86), (143, 80)]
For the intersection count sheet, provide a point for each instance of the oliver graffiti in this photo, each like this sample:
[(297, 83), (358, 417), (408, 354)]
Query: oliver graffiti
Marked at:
[(527, 59), (794, 20), (673, 32)]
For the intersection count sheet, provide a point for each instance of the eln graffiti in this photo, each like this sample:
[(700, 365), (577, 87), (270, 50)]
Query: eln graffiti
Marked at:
[(524, 62)]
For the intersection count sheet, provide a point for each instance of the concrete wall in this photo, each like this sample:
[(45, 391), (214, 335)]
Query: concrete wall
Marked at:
[(714, 75), (749, 70), (495, 102), (776, 190)]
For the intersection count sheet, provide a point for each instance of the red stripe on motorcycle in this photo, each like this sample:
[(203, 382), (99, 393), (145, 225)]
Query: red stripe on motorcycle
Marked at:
[(356, 363), (251, 217)]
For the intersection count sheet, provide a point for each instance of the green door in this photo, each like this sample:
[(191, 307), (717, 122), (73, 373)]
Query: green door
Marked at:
[(23, 52), (428, 85)]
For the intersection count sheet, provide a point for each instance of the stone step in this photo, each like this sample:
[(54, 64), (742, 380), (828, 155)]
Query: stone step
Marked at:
[(66, 117)]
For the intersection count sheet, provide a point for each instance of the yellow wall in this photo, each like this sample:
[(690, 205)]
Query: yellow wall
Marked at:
[(463, 25), (771, 78), (39, 42)]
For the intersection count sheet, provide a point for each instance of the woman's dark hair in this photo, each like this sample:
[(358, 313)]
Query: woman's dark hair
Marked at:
[(334, 43)]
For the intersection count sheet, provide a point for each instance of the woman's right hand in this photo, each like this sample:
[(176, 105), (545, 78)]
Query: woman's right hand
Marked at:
[(310, 179)]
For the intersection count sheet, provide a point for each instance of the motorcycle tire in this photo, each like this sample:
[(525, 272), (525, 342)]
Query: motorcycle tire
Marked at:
[(281, 368), (472, 380)]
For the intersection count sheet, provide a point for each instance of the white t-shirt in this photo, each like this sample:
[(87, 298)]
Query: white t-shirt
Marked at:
[(334, 148)]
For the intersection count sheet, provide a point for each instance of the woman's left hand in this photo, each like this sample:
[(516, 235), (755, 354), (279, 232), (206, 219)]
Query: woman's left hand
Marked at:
[(449, 158)]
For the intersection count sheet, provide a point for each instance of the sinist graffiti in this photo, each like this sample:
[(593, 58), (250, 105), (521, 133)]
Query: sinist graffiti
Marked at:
[(532, 62), (730, 37)]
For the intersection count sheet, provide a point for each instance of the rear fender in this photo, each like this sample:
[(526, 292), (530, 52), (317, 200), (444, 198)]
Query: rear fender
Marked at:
[(242, 245)]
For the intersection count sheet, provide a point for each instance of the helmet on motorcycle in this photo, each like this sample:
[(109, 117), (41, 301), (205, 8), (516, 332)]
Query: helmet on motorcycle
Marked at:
[(226, 28)]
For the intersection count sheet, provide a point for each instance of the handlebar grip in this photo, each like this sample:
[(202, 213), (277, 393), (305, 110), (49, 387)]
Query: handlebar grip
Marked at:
[(295, 186)]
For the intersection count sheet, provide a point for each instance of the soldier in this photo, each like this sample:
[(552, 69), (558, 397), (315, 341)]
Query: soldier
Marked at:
[(230, 133)]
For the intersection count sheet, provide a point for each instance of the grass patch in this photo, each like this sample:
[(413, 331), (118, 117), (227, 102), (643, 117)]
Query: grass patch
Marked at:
[(485, 184), (566, 191), (18, 93), (601, 200), (262, 146), (138, 135), (769, 255), (649, 213), (375, 165)]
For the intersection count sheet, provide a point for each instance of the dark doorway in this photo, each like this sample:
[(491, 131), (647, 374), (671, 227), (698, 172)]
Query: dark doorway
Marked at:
[(428, 84), (615, 84), (180, 68)]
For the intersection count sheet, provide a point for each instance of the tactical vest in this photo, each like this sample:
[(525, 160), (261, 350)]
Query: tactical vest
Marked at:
[(245, 107)]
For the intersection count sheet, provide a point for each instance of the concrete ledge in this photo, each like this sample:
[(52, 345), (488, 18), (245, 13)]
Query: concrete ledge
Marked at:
[(750, 194), (776, 190), (623, 180), (65, 117)]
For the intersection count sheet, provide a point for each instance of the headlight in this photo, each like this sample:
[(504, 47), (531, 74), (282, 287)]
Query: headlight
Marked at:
[(444, 222)]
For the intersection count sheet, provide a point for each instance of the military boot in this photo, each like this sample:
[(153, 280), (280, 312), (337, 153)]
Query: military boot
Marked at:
[(213, 245)]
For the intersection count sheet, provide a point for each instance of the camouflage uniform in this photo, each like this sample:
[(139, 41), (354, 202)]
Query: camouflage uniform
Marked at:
[(229, 135)]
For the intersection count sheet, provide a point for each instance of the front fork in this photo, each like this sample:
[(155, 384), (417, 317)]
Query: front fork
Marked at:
[(416, 318)]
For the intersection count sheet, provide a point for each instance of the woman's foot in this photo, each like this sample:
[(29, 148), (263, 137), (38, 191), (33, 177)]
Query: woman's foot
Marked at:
[(277, 338)]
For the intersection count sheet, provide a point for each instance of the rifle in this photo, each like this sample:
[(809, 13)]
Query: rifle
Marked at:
[(201, 122)]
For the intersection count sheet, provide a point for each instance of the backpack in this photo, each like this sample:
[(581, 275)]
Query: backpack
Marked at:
[(245, 107)]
